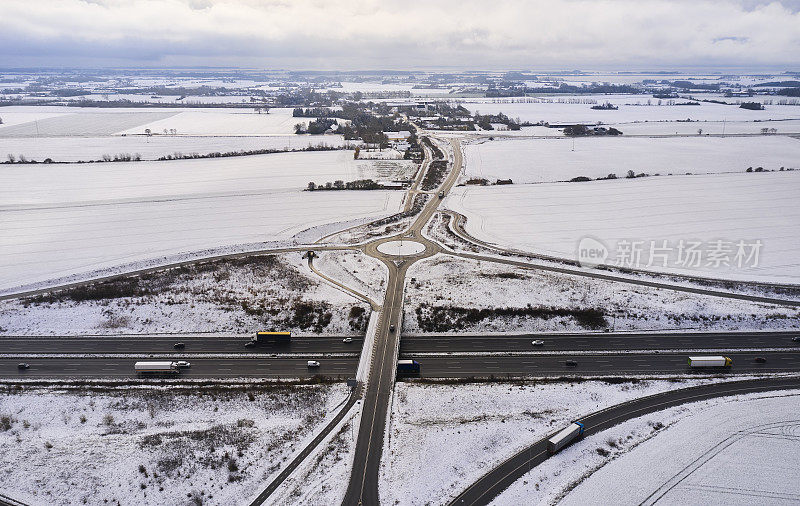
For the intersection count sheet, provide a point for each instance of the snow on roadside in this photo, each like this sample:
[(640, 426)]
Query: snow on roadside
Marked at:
[(154, 445), (596, 470), (444, 437), (323, 476), (354, 269), (227, 296), (449, 281)]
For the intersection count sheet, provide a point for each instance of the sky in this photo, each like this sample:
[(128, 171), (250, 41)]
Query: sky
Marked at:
[(397, 34)]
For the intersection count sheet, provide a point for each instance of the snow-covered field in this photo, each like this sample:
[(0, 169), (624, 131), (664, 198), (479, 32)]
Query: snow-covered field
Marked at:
[(154, 445), (561, 159), (74, 149), (54, 121), (224, 122), (631, 108), (553, 218), (68, 122), (732, 450), (358, 271), (277, 291), (462, 283), (59, 220), (443, 437), (708, 127)]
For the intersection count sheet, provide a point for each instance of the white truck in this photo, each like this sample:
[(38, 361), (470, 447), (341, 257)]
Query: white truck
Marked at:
[(563, 438), (156, 367), (710, 361)]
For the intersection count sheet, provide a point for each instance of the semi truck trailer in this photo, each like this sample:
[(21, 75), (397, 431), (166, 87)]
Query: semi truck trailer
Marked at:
[(269, 337), (565, 437), (156, 367), (710, 361)]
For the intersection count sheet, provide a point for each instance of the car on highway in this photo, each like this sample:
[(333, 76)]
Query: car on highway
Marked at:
[(313, 363), (23, 365), (759, 360), (570, 363), (250, 344), (537, 342), (347, 340), (179, 346), (796, 339), (391, 328), (183, 363)]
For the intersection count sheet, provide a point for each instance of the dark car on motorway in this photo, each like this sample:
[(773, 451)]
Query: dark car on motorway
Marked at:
[(796, 339), (179, 346), (760, 360), (570, 363), (23, 365)]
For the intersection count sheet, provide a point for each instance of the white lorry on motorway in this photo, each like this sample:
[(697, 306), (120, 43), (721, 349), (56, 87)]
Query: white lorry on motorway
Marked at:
[(563, 438), (156, 367), (710, 361)]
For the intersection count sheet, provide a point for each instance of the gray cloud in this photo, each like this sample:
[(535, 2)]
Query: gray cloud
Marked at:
[(395, 33)]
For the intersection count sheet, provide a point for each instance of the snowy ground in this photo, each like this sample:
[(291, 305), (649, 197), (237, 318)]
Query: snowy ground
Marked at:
[(323, 476), (572, 109), (721, 451), (224, 122), (358, 271), (53, 121), (443, 437), (60, 220), (74, 149), (547, 160), (151, 445), (462, 283), (553, 218), (234, 296)]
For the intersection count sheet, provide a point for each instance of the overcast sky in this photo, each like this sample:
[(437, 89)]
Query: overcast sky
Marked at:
[(389, 34)]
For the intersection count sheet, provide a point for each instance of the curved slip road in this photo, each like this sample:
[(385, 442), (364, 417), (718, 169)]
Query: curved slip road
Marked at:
[(630, 281), (458, 222), (501, 477)]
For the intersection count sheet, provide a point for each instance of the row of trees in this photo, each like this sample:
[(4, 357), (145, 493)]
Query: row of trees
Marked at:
[(360, 184)]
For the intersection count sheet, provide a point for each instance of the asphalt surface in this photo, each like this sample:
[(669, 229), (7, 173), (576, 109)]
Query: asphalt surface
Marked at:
[(164, 344), (201, 368), (363, 485), (501, 477), (600, 364), (588, 342)]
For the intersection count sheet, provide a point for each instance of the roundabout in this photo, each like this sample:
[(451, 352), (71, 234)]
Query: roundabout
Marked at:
[(401, 248)]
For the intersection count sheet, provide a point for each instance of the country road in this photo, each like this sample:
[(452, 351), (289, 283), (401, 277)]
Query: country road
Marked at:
[(490, 485)]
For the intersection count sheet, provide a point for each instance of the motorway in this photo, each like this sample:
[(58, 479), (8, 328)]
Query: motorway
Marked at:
[(598, 364), (202, 368), (596, 342), (501, 477), (164, 344)]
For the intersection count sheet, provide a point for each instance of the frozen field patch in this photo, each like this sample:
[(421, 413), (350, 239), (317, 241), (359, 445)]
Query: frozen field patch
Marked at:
[(75, 149), (546, 160), (553, 218), (154, 446), (61, 220)]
